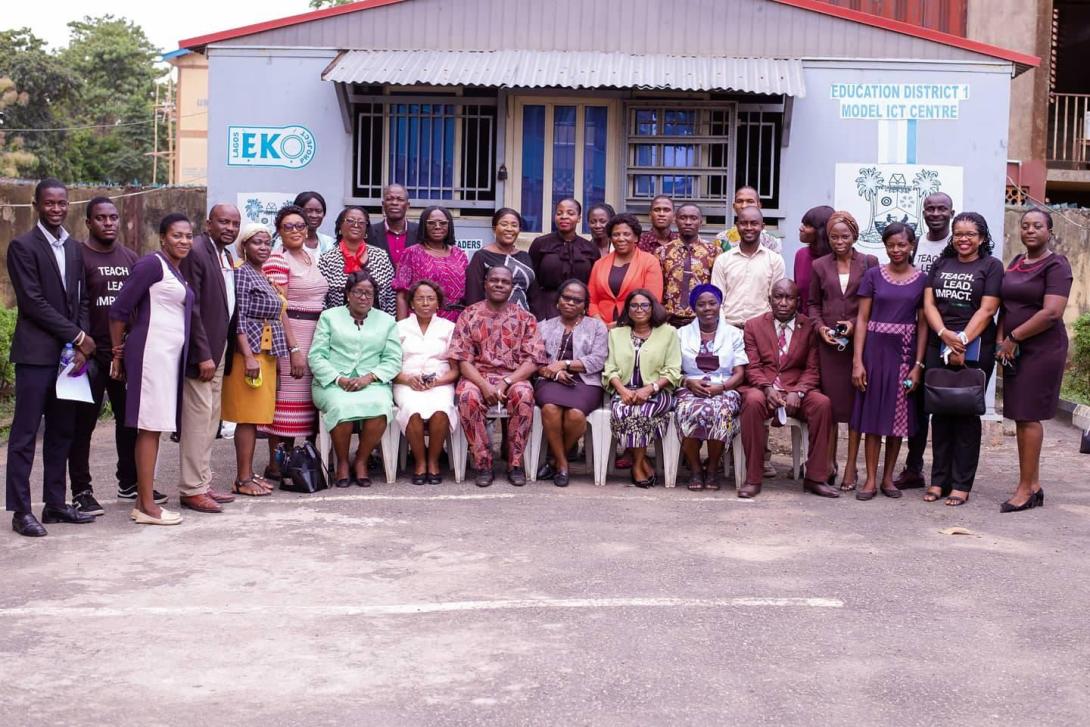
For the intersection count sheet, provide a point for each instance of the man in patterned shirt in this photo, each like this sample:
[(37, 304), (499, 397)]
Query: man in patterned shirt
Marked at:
[(686, 263), (746, 197)]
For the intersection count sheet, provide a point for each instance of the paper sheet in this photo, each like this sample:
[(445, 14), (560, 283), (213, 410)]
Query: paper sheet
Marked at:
[(74, 388)]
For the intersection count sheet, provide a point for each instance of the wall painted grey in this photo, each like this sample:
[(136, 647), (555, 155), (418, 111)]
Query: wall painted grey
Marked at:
[(276, 88), (977, 141)]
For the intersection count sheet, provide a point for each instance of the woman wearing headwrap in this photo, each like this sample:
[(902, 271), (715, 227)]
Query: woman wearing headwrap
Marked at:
[(834, 308), (713, 360)]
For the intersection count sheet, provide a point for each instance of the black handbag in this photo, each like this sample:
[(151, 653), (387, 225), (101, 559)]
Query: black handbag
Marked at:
[(958, 392), (303, 471), (1084, 447)]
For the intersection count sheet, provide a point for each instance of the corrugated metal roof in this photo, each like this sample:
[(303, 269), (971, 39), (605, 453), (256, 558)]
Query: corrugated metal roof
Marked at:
[(568, 69)]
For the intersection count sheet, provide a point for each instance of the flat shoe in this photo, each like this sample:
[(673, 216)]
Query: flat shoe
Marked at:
[(561, 479), (864, 495), (891, 492), (434, 478), (420, 479), (343, 482), (166, 517)]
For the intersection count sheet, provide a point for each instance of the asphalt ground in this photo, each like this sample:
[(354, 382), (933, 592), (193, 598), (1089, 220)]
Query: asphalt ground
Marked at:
[(451, 605)]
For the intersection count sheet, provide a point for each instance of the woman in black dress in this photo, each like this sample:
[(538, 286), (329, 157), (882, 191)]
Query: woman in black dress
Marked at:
[(1033, 348), (560, 256), (506, 225)]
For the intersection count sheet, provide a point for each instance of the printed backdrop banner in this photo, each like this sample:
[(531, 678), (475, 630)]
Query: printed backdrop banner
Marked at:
[(261, 207), (878, 194)]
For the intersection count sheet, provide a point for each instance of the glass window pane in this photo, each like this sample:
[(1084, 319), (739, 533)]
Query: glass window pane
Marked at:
[(679, 123), (643, 185), (646, 122), (533, 165), (679, 155), (563, 155), (678, 186), (595, 131), (645, 155)]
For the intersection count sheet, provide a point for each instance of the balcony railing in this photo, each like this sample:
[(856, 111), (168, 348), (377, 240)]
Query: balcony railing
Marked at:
[(1069, 131)]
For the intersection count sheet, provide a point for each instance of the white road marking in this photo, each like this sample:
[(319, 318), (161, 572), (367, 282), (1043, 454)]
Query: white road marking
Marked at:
[(400, 609), (289, 498)]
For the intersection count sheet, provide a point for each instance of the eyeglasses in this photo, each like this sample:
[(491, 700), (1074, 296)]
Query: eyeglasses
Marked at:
[(361, 294), (437, 223), (356, 223), (293, 226), (965, 235), (639, 306), (572, 299)]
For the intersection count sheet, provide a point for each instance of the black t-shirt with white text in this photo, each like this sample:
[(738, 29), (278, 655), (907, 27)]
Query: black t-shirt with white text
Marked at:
[(105, 272), (959, 288)]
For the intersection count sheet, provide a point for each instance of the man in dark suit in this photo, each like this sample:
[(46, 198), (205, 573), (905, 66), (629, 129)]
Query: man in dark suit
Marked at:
[(46, 271), (783, 371), (209, 268), (394, 233)]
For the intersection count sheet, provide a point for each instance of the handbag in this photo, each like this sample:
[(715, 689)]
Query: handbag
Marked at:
[(303, 471), (1084, 447), (957, 392)]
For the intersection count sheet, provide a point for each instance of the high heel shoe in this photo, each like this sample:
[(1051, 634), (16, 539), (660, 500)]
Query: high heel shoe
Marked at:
[(1039, 496), (1027, 505)]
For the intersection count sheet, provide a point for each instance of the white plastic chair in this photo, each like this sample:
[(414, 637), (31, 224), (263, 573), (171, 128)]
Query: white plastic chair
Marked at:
[(388, 445), (595, 444), (800, 450), (456, 446), (668, 451)]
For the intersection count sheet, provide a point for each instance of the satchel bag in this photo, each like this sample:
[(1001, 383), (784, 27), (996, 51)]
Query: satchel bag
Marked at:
[(958, 392), (302, 470)]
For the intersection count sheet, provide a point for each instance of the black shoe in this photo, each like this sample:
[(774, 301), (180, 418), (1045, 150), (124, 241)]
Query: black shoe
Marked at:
[(1027, 505), (546, 472), (434, 479), (65, 514), (420, 479), (561, 479), (86, 502), (516, 476), (26, 524), (1040, 497), (484, 478), (126, 493), (159, 497)]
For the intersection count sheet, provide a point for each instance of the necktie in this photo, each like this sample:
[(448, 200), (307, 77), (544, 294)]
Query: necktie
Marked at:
[(783, 343), (230, 258)]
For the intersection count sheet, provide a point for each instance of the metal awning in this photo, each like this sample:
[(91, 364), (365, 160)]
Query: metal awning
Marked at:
[(568, 69)]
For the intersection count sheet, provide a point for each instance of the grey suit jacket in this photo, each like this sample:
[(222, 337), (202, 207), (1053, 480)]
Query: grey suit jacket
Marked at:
[(590, 344)]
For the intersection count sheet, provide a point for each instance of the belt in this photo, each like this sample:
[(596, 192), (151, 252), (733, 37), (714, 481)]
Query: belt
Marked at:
[(303, 315)]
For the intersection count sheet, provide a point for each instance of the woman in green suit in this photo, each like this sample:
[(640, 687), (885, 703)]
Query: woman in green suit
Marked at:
[(355, 355), (643, 367)]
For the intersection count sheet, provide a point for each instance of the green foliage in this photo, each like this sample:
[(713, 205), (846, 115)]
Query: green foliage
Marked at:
[(1077, 379), (7, 368), (104, 78)]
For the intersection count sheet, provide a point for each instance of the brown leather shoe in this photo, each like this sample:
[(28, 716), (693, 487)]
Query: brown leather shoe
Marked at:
[(908, 480), (819, 488), (749, 490), (220, 497), (200, 503)]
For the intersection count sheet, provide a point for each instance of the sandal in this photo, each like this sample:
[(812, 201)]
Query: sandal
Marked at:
[(955, 501), (696, 481), (255, 489), (932, 494), (711, 481)]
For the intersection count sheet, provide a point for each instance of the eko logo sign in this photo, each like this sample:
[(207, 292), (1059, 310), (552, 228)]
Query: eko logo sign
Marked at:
[(270, 146)]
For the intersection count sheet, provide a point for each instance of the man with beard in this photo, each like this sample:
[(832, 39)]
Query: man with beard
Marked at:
[(106, 266)]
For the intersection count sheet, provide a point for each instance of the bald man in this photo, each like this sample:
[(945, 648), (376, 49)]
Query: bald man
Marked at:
[(209, 269)]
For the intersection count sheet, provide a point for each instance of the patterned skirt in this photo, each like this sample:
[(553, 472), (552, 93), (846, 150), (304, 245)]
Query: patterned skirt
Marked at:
[(638, 425), (710, 418), (295, 415)]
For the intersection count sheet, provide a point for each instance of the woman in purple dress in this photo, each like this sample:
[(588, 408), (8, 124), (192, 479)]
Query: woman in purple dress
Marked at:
[(1033, 348), (890, 341), (154, 304), (435, 257)]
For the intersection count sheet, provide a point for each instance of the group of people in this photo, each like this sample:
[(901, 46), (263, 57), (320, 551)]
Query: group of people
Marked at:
[(274, 328)]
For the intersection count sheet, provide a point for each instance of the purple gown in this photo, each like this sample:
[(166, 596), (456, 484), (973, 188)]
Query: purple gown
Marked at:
[(889, 354)]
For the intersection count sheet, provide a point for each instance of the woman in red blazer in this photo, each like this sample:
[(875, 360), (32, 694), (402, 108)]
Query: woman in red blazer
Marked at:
[(620, 272), (833, 287)]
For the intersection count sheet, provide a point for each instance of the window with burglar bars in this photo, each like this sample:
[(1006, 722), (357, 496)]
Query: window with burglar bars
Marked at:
[(441, 151), (701, 152)]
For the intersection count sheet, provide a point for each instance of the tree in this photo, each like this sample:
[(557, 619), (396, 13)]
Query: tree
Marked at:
[(50, 88), (13, 156), (115, 62)]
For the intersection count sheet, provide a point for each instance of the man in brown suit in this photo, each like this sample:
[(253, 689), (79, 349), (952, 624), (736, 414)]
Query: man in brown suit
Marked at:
[(783, 371)]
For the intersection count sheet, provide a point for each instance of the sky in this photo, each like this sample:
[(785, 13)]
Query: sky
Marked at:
[(164, 23)]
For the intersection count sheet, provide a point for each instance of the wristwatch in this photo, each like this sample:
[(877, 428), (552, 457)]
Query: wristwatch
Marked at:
[(655, 386), (507, 381), (567, 365), (294, 349)]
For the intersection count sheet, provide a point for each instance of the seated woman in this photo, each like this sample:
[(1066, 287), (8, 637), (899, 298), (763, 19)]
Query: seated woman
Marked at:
[(354, 356), (570, 386), (713, 360), (622, 271), (644, 364), (262, 337), (424, 390), (498, 348)]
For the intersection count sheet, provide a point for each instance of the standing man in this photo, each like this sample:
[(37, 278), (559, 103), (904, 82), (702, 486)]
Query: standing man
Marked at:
[(46, 272), (782, 348), (210, 270), (746, 197), (106, 266), (686, 263), (746, 272), (393, 233), (938, 210), (661, 215)]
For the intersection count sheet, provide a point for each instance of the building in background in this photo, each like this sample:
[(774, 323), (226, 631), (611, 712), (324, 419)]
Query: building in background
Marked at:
[(190, 162), (477, 104)]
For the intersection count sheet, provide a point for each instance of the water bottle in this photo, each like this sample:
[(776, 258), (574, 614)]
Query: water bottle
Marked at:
[(281, 456), (68, 356)]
